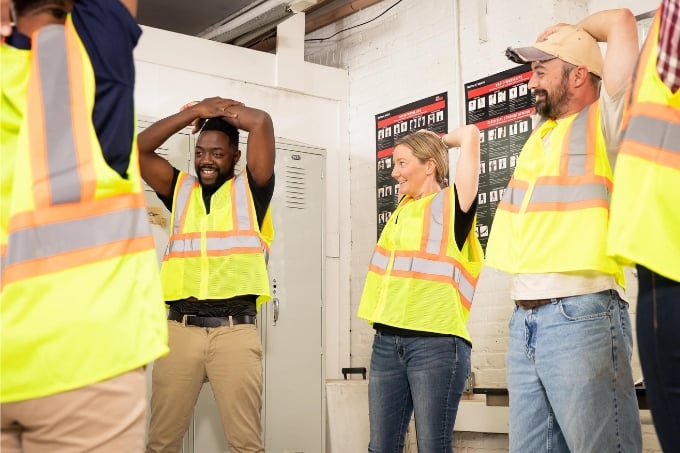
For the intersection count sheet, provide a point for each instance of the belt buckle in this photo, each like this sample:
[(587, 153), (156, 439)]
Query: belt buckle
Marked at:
[(184, 319)]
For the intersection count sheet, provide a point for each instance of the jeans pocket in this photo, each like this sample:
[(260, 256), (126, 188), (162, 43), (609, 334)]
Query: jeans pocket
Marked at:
[(626, 327), (586, 307), (512, 317)]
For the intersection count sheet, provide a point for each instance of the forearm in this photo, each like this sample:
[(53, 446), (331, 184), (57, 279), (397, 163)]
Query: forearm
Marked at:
[(616, 27), (131, 5), (261, 152), (467, 170), (463, 136), (5, 18), (248, 118), (155, 135), (605, 25)]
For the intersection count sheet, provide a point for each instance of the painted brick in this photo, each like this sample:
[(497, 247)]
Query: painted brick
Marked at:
[(411, 53)]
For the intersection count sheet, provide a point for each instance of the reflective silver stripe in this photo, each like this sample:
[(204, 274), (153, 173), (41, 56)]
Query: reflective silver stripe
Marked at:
[(577, 155), (654, 132), (578, 142), (242, 222), (183, 245), (552, 193), (242, 211), (437, 220), (424, 266), (214, 244), (380, 261), (466, 288), (514, 196), (436, 269), (53, 239), (182, 201), (62, 162)]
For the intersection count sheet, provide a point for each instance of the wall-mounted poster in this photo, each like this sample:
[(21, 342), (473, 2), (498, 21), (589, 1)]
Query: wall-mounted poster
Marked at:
[(429, 113), (501, 106)]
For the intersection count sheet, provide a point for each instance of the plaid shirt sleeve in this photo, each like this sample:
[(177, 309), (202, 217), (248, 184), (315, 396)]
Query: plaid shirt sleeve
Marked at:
[(669, 44)]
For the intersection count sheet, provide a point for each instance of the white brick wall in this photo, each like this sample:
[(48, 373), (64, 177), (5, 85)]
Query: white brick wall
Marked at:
[(410, 53)]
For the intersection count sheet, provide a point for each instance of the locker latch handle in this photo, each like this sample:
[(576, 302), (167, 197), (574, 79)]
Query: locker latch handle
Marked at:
[(275, 301)]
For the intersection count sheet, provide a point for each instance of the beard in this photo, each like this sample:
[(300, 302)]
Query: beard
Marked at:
[(553, 103), (221, 178)]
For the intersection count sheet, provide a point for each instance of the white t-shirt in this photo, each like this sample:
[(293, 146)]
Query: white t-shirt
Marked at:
[(565, 284)]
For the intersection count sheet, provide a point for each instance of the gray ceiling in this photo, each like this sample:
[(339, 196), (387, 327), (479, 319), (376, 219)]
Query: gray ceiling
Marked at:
[(189, 17), (246, 23)]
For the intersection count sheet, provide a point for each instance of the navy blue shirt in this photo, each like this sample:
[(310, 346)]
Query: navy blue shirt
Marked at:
[(109, 33)]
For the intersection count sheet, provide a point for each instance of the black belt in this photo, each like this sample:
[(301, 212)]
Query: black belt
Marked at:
[(534, 303), (210, 321)]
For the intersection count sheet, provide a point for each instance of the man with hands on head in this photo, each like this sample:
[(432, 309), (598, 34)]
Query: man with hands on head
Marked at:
[(214, 271)]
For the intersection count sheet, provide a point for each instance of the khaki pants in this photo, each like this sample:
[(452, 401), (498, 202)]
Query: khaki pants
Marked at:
[(231, 358), (106, 417)]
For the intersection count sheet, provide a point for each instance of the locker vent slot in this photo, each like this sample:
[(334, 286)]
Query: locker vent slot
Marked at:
[(295, 187)]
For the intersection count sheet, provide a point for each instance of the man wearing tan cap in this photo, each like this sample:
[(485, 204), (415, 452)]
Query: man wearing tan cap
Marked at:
[(569, 358)]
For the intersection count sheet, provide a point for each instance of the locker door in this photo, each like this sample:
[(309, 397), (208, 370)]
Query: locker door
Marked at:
[(292, 322)]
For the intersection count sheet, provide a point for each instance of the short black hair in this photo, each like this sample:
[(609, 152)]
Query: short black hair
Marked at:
[(58, 8), (218, 124)]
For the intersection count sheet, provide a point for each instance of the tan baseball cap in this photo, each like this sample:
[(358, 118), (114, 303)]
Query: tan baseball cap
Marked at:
[(571, 44)]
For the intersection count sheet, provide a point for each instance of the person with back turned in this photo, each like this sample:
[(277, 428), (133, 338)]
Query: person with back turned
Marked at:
[(645, 218), (81, 307)]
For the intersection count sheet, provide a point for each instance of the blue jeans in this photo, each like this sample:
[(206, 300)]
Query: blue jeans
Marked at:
[(570, 378), (425, 375), (658, 319)]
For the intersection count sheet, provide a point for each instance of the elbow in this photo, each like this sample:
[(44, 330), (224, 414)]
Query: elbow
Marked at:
[(472, 132), (625, 18), (262, 120)]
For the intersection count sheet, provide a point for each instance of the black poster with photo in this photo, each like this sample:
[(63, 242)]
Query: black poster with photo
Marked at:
[(501, 106), (429, 113)]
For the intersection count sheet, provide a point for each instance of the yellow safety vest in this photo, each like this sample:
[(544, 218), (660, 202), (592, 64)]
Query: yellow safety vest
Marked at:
[(645, 214), (554, 213), (418, 279), (81, 299), (218, 255), (15, 65)]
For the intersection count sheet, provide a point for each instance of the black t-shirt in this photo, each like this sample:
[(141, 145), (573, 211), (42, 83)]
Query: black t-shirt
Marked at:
[(235, 306), (462, 225), (113, 64)]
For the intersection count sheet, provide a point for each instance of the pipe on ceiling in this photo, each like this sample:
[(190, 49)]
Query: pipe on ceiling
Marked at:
[(316, 22)]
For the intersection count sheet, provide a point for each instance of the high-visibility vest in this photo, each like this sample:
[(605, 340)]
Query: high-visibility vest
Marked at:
[(418, 279), (14, 79), (645, 213), (81, 300), (554, 213), (219, 255)]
